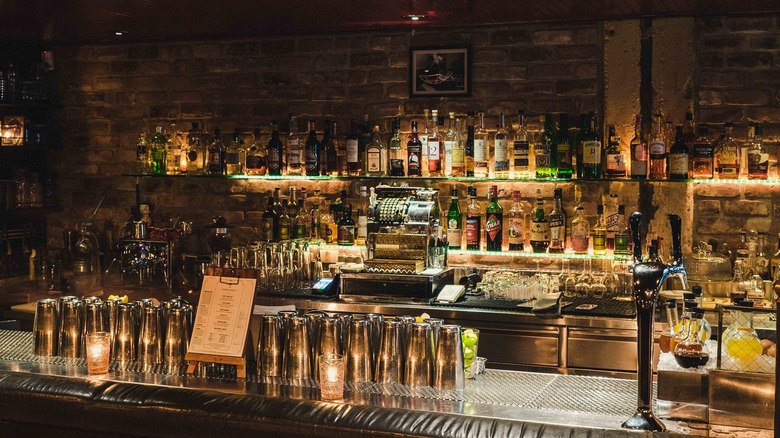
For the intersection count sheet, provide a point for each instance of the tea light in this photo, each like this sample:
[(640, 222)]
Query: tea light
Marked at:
[(98, 352), (331, 376)]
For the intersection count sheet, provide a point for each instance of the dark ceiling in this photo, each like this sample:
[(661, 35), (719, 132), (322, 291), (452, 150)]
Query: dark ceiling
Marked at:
[(81, 21)]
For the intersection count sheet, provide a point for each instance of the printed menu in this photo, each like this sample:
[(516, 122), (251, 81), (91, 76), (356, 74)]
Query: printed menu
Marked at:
[(222, 321)]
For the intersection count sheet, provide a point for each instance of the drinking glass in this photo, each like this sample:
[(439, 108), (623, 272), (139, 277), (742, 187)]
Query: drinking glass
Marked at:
[(470, 337), (331, 375), (98, 352)]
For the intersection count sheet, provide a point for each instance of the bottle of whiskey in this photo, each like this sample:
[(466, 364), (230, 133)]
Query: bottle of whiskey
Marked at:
[(235, 155), (599, 233), (159, 161), (256, 156), (195, 153), (435, 155), (494, 220), (591, 150), (364, 138), (521, 149), (285, 222), (657, 149), (313, 150), (540, 228), (422, 134), (557, 221), (758, 158), (702, 154), (501, 150), (454, 222), (346, 227), (580, 231), (678, 156), (578, 139), (216, 155), (414, 151), (454, 154), (565, 168), (727, 155), (275, 151), (361, 230), (481, 152), (269, 223), (397, 157), (376, 155), (622, 232), (638, 151), (294, 148), (546, 150), (353, 150), (516, 223), (616, 162), (300, 222), (332, 147), (469, 149), (473, 221), (326, 136)]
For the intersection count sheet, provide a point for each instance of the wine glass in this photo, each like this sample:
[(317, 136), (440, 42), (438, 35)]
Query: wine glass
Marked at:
[(584, 281)]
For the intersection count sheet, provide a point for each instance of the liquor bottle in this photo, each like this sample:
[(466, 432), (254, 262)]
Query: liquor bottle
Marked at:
[(300, 222), (235, 155), (581, 133), (142, 155), (328, 227), (494, 220), (454, 222), (591, 150), (638, 151), (314, 225), (275, 151), (657, 149), (469, 149), (521, 149), (312, 150), (727, 156), (174, 164), (216, 155), (364, 138), (269, 223), (612, 220), (622, 232), (758, 159), (353, 150), (294, 148), (414, 151), (362, 214), (326, 136), (546, 150), (346, 227), (540, 228), (454, 154), (702, 154), (481, 152), (158, 152), (332, 148), (744, 146), (616, 162), (256, 156), (557, 221), (501, 149), (376, 155), (423, 133), (689, 129), (679, 156), (397, 158), (599, 233), (580, 230), (564, 160), (195, 152), (435, 153), (473, 221), (285, 222), (516, 223)]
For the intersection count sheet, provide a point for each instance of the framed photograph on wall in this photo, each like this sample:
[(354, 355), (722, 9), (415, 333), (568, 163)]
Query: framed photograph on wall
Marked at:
[(435, 72)]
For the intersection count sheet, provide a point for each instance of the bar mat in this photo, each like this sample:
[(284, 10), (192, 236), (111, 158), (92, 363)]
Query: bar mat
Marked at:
[(570, 306)]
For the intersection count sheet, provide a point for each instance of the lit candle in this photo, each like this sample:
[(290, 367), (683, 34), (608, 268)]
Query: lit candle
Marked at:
[(98, 352), (332, 373)]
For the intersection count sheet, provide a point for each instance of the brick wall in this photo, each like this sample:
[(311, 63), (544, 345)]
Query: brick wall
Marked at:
[(738, 80)]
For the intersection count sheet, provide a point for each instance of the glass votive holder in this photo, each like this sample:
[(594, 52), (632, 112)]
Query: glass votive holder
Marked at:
[(98, 352), (331, 376)]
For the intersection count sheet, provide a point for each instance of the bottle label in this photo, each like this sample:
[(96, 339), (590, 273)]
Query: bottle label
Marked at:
[(516, 231), (449, 146), (267, 229), (728, 171), (414, 162), (433, 150), (703, 150), (346, 234), (613, 221), (493, 226), (564, 153), (362, 227), (352, 151), (579, 237), (472, 230), (657, 149), (591, 152), (331, 233), (311, 160), (373, 160), (397, 166), (639, 152), (299, 231), (501, 155), (293, 154), (599, 241), (557, 231), (231, 157), (454, 234), (458, 157), (678, 164), (615, 163), (758, 163), (480, 153), (543, 155), (521, 149), (254, 162), (540, 231), (273, 159), (284, 232)]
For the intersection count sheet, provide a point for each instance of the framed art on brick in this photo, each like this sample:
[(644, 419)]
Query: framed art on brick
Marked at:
[(439, 72)]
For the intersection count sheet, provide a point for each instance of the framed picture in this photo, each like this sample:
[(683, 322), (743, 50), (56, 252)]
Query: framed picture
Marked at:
[(439, 72)]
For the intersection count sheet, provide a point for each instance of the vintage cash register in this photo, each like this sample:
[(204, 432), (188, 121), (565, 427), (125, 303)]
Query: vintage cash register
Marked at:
[(406, 253)]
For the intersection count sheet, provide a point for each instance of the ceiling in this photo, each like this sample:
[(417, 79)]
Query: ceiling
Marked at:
[(82, 21)]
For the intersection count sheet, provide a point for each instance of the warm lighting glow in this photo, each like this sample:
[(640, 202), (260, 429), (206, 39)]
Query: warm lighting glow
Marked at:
[(415, 17), (332, 373), (98, 352)]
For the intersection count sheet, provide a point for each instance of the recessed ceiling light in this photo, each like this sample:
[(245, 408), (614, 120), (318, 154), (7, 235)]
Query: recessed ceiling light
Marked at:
[(120, 32), (415, 17)]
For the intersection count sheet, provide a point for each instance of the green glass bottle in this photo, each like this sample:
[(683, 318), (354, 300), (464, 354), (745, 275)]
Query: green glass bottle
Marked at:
[(547, 150), (494, 221), (454, 222), (158, 152)]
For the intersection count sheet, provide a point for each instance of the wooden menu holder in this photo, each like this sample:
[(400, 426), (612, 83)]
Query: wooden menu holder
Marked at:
[(233, 298)]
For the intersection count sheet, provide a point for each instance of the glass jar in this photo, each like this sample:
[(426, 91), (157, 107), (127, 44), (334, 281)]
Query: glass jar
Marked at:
[(692, 351), (740, 340)]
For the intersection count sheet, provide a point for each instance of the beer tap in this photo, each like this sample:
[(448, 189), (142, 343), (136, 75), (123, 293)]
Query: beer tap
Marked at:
[(648, 278)]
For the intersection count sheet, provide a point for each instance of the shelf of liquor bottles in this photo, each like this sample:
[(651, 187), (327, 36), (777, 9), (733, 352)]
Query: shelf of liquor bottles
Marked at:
[(770, 181)]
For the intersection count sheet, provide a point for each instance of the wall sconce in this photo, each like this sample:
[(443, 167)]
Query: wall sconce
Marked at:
[(12, 131)]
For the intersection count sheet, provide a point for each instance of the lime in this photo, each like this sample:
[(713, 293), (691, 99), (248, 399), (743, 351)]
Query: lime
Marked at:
[(468, 353)]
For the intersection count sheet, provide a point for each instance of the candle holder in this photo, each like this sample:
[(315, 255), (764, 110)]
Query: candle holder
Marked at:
[(331, 376), (98, 352)]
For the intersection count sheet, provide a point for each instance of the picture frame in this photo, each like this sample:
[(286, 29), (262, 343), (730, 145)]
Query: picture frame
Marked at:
[(439, 71)]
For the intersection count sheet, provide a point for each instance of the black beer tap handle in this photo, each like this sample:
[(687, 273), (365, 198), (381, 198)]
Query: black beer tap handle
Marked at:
[(635, 221), (676, 225)]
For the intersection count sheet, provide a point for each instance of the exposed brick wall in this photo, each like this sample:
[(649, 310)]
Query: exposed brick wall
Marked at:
[(738, 80)]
